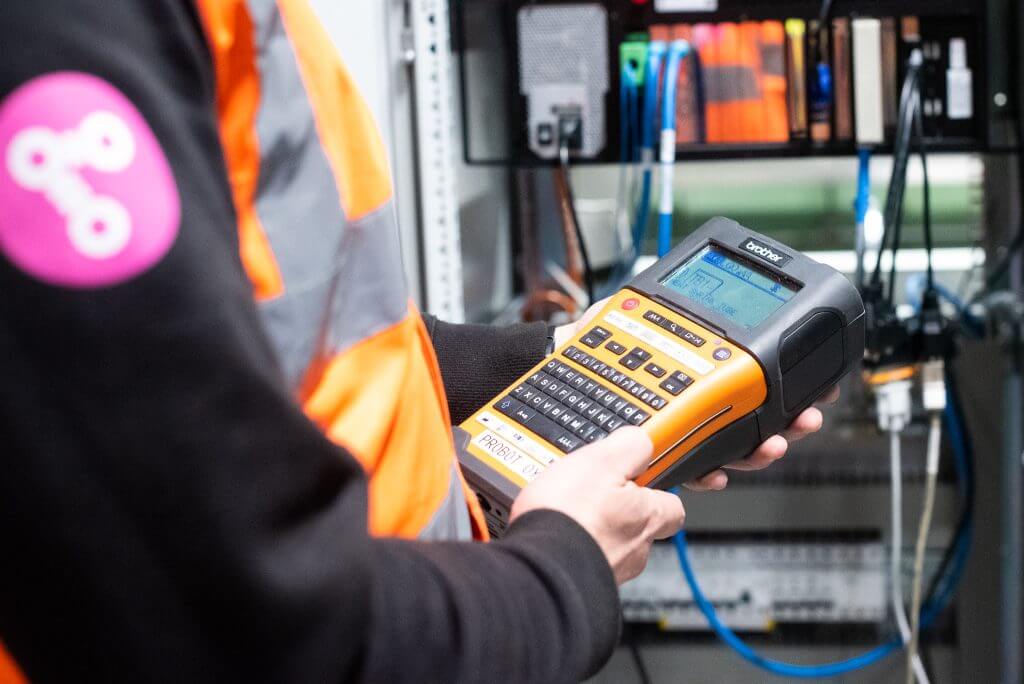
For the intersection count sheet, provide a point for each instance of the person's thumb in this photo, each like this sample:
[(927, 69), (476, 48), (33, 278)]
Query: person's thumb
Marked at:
[(627, 451)]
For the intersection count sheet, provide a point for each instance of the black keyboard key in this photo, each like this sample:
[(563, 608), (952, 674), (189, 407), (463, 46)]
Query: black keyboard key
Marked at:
[(602, 418), (639, 418), (570, 350), (598, 331), (552, 433), (528, 394), (655, 370), (568, 443), (543, 382), (579, 382), (518, 391), (569, 375), (615, 348), (647, 396), (553, 387), (618, 378), (598, 366), (657, 403), (535, 378), (672, 386), (628, 410), (627, 383), (614, 424), (591, 411), (608, 400), (563, 393), (637, 390), (556, 411), (583, 404), (641, 353), (560, 370), (523, 415), (577, 424), (589, 387), (631, 362), (566, 418), (538, 401), (607, 373), (573, 399), (507, 405), (591, 341), (683, 378), (619, 405), (551, 365), (598, 393), (595, 435), (693, 338), (654, 318), (586, 430), (548, 404)]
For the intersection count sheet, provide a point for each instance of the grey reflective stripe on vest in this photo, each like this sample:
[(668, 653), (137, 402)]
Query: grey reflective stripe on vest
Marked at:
[(725, 84), (343, 281), (451, 521)]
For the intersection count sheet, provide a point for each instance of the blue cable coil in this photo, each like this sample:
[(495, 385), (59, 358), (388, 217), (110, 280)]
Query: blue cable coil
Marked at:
[(929, 612)]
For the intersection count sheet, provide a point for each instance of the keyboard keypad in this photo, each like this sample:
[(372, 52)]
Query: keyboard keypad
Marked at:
[(568, 408)]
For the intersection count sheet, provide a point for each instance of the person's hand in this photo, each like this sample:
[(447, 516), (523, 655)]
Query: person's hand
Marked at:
[(594, 486), (770, 451), (564, 333)]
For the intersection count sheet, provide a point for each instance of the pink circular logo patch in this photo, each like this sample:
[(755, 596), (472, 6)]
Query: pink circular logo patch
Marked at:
[(87, 198)]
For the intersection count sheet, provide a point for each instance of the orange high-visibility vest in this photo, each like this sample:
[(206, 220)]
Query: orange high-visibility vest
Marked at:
[(319, 241)]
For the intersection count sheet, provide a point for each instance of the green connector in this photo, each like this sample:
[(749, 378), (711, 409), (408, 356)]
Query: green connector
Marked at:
[(634, 50)]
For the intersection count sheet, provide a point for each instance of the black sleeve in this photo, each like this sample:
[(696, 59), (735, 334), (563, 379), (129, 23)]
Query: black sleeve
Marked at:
[(167, 513), (478, 361)]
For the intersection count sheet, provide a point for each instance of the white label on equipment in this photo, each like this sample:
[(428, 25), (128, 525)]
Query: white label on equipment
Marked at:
[(517, 438), (659, 342), (685, 5), (506, 454)]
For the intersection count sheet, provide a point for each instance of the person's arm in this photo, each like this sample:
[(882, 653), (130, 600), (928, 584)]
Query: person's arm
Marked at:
[(167, 512), (479, 361)]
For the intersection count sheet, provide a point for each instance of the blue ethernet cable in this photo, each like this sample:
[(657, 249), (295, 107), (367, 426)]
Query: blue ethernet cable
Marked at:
[(655, 54), (677, 51), (861, 206), (947, 588)]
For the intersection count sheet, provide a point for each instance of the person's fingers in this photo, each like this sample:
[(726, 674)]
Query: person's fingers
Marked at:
[(832, 396), (770, 451), (591, 313), (808, 422), (715, 481), (627, 451), (669, 514)]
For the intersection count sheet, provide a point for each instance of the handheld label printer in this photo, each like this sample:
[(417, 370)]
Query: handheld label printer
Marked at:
[(711, 350)]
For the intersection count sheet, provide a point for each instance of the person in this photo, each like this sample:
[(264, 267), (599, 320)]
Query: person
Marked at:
[(226, 446)]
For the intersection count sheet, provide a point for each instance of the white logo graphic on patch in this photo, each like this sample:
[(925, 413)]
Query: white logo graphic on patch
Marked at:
[(43, 160)]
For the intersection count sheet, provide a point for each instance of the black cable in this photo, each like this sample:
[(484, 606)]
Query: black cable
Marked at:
[(825, 13), (893, 216), (637, 656), (926, 215), (588, 272)]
